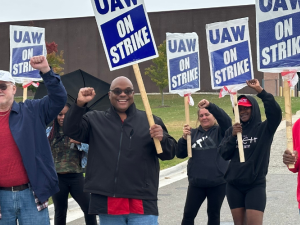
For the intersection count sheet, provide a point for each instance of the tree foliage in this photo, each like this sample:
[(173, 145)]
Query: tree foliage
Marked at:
[(55, 60), (158, 72)]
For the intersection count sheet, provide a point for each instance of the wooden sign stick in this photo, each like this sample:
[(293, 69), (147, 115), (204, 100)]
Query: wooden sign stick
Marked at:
[(288, 118), (187, 119), (239, 135), (24, 94), (148, 110)]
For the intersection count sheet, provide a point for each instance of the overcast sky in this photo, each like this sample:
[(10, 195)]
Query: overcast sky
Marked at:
[(21, 10)]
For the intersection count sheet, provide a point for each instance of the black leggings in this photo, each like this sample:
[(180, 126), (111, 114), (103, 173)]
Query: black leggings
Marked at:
[(71, 183), (194, 199), (252, 197)]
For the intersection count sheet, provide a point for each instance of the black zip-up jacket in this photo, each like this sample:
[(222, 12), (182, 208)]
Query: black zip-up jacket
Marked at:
[(257, 139), (206, 168), (122, 159)]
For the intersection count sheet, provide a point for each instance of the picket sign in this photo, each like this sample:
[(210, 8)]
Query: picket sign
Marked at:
[(233, 97), (230, 60), (25, 42), (278, 49), (239, 135), (288, 118), (25, 85), (127, 39), (290, 79), (24, 94), (187, 120), (148, 110), (183, 70)]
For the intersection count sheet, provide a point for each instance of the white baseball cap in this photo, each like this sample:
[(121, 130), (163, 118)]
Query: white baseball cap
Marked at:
[(6, 76)]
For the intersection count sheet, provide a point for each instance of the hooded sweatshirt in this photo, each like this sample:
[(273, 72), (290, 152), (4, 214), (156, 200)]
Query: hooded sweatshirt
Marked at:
[(257, 139), (206, 168), (296, 142)]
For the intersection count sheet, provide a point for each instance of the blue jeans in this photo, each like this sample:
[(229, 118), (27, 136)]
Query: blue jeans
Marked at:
[(130, 219), (20, 205)]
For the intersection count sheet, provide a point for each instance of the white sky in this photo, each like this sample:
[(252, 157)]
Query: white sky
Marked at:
[(22, 10)]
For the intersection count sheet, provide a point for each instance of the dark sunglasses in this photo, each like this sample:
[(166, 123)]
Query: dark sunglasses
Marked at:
[(118, 91), (3, 86)]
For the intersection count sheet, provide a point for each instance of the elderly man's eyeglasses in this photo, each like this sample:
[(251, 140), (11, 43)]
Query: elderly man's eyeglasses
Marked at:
[(118, 91), (3, 86)]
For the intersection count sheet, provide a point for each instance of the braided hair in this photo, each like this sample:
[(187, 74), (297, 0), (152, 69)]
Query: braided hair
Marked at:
[(54, 133)]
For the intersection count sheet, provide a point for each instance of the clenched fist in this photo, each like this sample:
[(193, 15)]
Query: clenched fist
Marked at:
[(85, 95), (40, 63), (254, 83), (203, 104)]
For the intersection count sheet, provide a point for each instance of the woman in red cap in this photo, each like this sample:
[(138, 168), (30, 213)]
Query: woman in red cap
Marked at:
[(246, 182)]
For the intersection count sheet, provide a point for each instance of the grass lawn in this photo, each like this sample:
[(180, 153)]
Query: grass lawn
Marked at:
[(173, 114)]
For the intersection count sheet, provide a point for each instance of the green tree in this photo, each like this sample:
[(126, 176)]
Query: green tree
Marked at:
[(55, 60), (158, 72)]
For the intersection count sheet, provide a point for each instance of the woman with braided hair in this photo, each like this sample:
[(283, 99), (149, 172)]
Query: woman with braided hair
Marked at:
[(69, 159)]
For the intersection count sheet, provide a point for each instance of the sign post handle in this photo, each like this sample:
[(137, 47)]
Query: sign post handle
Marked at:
[(239, 135), (148, 110), (24, 94), (187, 119), (288, 118)]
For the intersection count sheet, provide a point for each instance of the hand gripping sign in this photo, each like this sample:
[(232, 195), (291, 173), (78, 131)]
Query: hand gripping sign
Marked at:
[(25, 42), (184, 70), (127, 40), (278, 46), (230, 61)]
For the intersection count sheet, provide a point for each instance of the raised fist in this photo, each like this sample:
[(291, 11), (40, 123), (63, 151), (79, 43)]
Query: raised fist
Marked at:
[(254, 83), (85, 95), (40, 63), (203, 104)]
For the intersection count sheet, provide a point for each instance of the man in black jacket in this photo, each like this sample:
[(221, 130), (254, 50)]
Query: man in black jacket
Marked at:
[(123, 169)]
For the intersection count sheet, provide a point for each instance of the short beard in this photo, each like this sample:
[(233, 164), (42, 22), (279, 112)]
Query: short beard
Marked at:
[(6, 106)]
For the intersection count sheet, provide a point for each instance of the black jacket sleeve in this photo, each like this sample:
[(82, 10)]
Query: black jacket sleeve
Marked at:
[(182, 149), (272, 110), (221, 116), (76, 124), (227, 146), (168, 143)]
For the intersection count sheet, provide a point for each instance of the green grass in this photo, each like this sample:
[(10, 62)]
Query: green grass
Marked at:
[(174, 114)]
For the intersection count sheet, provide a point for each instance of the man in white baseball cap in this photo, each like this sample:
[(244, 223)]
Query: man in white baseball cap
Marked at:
[(6, 76), (7, 90), (28, 177)]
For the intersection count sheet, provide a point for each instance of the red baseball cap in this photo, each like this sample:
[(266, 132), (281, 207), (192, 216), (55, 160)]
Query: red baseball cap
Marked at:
[(244, 102)]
